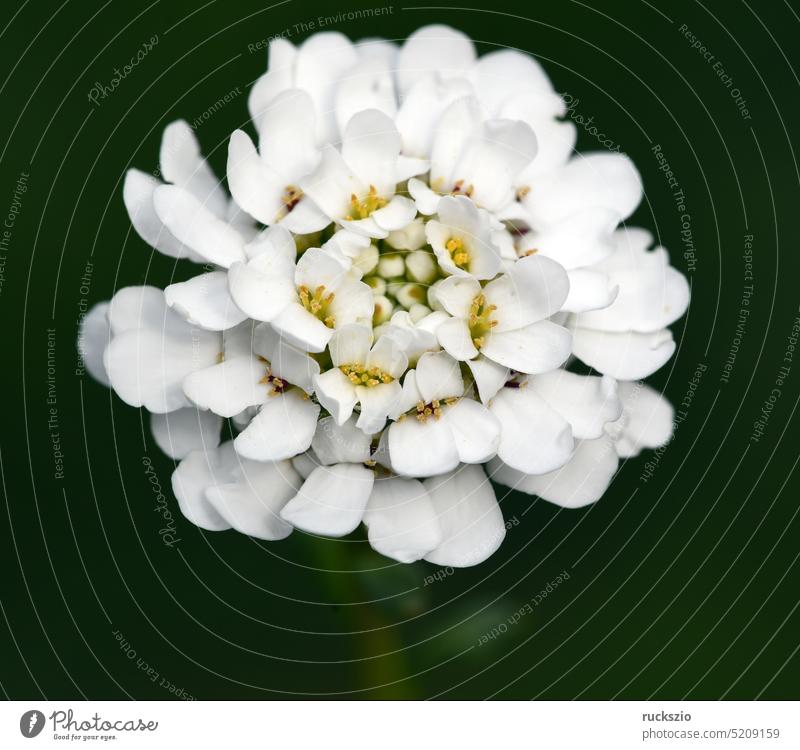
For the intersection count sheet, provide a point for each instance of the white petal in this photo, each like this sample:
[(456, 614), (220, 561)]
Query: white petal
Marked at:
[(489, 377), (195, 226), (536, 348), (277, 241), (598, 180), (506, 74), (401, 520), (589, 290), (305, 218), (624, 356), (263, 287), (434, 49), (205, 301), (255, 186), (365, 87), (492, 158), (146, 368), (458, 123), (332, 500), (340, 444), (439, 377), (93, 337), (252, 503), (182, 165), (422, 449), (421, 108), (350, 345), (646, 422), (534, 438), (456, 340), (283, 428), (353, 303), (581, 239), (336, 394), (388, 356), (332, 183), (184, 430), (581, 481), (376, 403), (397, 214), (471, 521), (279, 77), (427, 201), (475, 429), (316, 268), (370, 147), (321, 60), (287, 137), (456, 294), (534, 288), (229, 387), (301, 329), (305, 463), (294, 366), (587, 403), (199, 470), (137, 194), (135, 307)]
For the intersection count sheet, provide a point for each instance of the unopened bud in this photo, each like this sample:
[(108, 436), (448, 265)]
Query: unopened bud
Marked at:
[(376, 283), (411, 237), (417, 312), (391, 266), (383, 310), (411, 294), (421, 266), (367, 259)]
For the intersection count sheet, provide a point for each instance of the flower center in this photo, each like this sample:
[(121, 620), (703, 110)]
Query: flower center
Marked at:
[(317, 303), (433, 409), (480, 320), (360, 375), (278, 384), (361, 209), (291, 197), (459, 254)]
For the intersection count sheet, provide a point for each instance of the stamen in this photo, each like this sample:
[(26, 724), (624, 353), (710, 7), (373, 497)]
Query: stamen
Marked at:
[(317, 303), (480, 320), (358, 374), (459, 254), (290, 198), (361, 209)]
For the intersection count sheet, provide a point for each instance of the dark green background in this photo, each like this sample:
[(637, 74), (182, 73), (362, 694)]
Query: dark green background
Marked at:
[(682, 586)]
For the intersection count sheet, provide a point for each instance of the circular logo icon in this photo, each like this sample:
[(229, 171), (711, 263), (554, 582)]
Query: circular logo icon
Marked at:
[(31, 723)]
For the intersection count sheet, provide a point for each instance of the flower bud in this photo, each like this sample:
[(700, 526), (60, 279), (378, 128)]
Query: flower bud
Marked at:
[(411, 294), (367, 259), (383, 309), (421, 266), (390, 266), (376, 283), (410, 237), (417, 312)]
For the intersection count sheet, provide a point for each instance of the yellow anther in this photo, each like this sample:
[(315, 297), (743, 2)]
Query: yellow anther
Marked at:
[(361, 209), (480, 320), (317, 303), (459, 254), (358, 374), (290, 198)]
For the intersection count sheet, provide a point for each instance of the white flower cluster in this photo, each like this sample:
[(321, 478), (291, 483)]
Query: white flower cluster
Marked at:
[(412, 256)]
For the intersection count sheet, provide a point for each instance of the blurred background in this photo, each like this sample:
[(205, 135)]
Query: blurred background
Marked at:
[(682, 582)]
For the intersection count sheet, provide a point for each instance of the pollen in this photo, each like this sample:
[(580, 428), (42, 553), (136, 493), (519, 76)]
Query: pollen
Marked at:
[(359, 374), (480, 320), (318, 303), (361, 209), (433, 409), (279, 385), (459, 254), (290, 198), (459, 189)]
